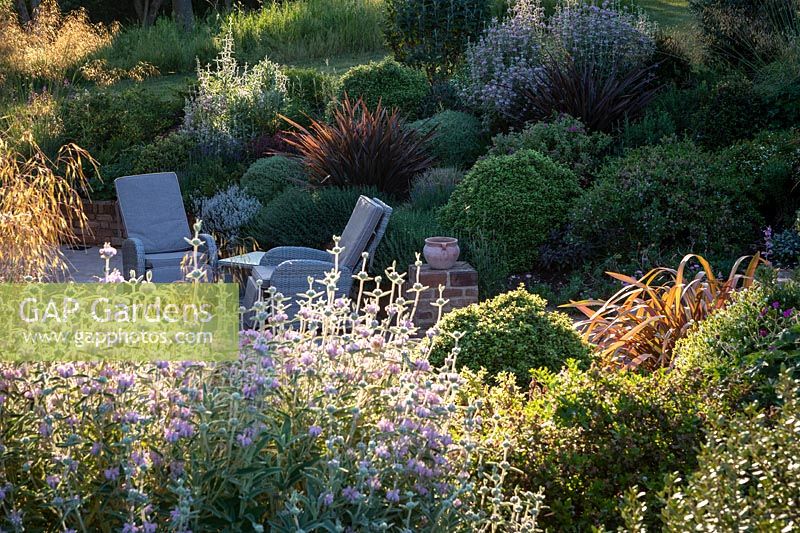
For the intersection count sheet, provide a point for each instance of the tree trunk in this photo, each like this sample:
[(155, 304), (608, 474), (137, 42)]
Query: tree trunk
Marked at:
[(147, 11), (182, 11), (22, 12)]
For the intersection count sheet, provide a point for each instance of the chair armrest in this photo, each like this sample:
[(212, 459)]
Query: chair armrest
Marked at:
[(291, 277), (132, 257), (209, 248), (276, 256)]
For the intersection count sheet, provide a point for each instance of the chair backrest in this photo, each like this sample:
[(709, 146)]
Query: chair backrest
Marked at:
[(359, 231), (380, 231), (152, 211)]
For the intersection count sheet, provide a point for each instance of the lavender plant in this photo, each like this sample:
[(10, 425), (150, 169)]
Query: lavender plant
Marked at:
[(332, 420), (233, 104), (225, 213)]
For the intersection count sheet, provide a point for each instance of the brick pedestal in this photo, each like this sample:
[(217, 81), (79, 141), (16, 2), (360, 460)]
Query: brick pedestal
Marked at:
[(460, 288), (104, 224)]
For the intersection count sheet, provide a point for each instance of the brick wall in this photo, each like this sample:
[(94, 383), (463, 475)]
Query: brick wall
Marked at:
[(104, 224), (461, 289)]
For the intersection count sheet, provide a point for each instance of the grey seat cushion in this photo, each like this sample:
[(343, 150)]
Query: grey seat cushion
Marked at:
[(359, 230), (263, 273), (166, 259), (152, 211)]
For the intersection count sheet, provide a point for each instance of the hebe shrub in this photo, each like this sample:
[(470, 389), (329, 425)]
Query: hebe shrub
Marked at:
[(309, 92), (432, 189), (302, 217), (728, 110), (169, 153), (512, 332), (565, 140), (587, 436), (458, 140), (517, 198), (387, 81), (269, 176), (432, 34), (660, 202), (746, 477)]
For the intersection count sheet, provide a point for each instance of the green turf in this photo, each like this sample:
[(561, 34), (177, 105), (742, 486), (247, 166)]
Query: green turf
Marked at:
[(669, 13)]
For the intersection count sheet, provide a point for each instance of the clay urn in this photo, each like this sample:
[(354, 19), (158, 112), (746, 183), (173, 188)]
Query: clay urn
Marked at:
[(441, 253)]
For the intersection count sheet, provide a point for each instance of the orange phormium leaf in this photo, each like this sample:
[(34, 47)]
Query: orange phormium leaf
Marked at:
[(640, 324)]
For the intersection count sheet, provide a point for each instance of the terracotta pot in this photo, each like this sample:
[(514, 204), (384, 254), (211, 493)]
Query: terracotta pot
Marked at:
[(441, 253)]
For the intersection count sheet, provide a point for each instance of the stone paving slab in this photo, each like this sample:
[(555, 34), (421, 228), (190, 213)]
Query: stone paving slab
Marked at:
[(86, 265)]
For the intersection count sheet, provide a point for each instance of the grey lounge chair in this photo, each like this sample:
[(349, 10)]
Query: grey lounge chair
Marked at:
[(287, 268), (156, 226)]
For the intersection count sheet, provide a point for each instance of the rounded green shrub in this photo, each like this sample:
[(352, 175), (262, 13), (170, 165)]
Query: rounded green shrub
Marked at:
[(303, 217), (432, 188), (269, 176), (565, 140), (512, 332), (587, 436), (458, 140), (517, 198), (661, 202), (310, 91), (395, 85)]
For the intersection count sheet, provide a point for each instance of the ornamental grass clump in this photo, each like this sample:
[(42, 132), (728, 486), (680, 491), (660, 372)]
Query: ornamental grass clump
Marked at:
[(40, 208), (333, 419), (638, 327)]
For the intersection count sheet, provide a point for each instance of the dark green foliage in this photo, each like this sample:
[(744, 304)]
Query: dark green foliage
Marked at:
[(656, 125), (565, 140), (204, 176), (728, 111), (674, 64), (310, 91), (389, 82), (660, 202), (459, 138), (771, 164), (745, 32), (512, 332), (587, 436), (786, 249), (778, 86), (269, 176), (301, 217), (432, 34), (517, 199), (433, 188), (746, 478), (169, 153), (405, 237)]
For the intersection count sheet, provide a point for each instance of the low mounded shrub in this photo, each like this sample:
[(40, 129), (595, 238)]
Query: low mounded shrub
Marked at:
[(737, 352), (432, 189), (564, 140), (302, 217), (588, 436), (517, 198), (169, 153), (658, 203), (746, 477), (727, 110), (388, 82), (458, 139), (225, 213), (512, 332), (405, 237), (269, 176), (310, 92)]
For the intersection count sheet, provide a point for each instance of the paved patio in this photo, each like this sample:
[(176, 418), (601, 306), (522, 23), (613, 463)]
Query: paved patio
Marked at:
[(86, 265)]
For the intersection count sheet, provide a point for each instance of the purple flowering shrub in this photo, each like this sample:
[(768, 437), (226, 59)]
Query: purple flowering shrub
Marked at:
[(334, 419), (515, 55)]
